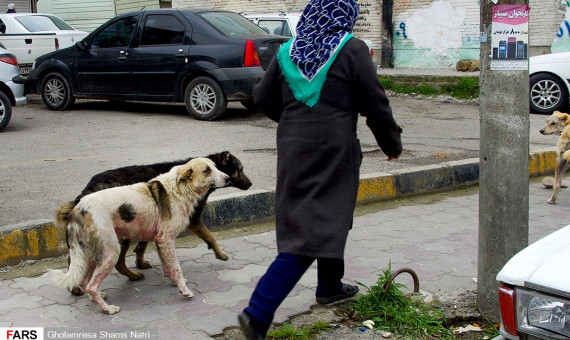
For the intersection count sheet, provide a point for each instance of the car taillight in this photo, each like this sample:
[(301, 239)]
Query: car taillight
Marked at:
[(56, 44), (507, 303), (9, 59), (251, 57), (372, 52)]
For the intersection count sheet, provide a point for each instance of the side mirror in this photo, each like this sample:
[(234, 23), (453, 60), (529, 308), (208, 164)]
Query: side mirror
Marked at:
[(81, 45)]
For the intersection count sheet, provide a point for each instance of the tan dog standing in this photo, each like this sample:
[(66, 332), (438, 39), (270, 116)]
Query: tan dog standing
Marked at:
[(558, 124), (155, 211)]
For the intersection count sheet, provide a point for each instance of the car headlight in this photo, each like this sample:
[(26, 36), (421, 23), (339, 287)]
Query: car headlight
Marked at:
[(542, 314)]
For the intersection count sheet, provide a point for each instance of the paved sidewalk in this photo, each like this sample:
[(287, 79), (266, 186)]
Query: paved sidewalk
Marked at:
[(435, 235)]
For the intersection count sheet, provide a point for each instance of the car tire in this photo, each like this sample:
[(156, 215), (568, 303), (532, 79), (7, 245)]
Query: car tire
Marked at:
[(56, 92), (547, 93), (5, 110), (205, 99)]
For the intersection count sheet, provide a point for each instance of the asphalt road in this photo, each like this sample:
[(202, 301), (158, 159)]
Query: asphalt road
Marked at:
[(47, 156)]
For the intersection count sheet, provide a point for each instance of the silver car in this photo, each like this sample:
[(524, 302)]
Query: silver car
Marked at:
[(11, 86)]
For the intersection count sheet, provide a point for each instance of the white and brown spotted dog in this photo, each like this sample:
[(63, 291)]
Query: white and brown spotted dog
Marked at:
[(156, 211)]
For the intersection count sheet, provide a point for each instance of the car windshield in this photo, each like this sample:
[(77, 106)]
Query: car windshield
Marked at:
[(231, 24), (39, 23)]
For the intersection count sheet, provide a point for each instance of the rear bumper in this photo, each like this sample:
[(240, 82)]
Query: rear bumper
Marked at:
[(238, 83), (17, 87)]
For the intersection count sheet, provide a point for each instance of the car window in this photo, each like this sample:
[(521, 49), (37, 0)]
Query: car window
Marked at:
[(275, 26), (117, 34), (38, 23), (231, 24), (2, 27), (162, 30)]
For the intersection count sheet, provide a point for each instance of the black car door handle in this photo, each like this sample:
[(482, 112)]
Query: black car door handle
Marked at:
[(180, 54), (123, 56)]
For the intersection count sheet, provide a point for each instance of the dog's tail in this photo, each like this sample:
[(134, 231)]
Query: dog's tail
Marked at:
[(78, 242), (62, 214)]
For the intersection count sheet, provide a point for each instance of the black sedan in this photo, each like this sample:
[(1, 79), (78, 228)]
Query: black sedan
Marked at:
[(201, 57)]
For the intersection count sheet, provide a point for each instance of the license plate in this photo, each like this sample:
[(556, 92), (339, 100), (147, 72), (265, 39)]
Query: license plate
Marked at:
[(25, 70)]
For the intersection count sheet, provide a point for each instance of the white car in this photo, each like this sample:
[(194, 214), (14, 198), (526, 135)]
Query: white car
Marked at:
[(549, 87), (284, 24), (25, 23), (534, 294), (11, 86), (30, 35)]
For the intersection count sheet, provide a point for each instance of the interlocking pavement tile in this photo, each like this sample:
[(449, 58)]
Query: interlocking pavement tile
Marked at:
[(266, 239), (25, 317), (62, 313), (214, 324), (244, 274), (20, 300), (228, 298), (210, 281), (197, 307)]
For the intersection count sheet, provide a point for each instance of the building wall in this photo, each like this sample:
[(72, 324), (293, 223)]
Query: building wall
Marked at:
[(435, 34), (561, 40), (426, 33), (87, 15), (369, 25)]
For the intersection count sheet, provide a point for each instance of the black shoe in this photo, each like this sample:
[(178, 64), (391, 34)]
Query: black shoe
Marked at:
[(247, 328), (345, 292)]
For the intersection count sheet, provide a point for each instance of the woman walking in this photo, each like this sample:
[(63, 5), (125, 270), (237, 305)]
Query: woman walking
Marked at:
[(315, 88)]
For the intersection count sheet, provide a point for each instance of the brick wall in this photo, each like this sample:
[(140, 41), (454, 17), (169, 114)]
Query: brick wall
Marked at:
[(369, 25), (546, 16)]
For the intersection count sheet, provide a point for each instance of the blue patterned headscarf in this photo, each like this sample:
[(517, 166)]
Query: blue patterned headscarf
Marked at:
[(324, 27)]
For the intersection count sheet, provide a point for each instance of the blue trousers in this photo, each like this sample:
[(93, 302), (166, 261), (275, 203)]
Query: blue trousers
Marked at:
[(282, 276)]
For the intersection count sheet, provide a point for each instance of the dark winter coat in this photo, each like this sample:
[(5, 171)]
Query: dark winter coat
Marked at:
[(318, 153)]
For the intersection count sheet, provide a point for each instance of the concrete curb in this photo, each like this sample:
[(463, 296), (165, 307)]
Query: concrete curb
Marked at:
[(35, 240)]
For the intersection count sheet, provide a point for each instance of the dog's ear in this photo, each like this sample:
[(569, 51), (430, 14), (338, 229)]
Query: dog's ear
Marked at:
[(185, 174), (226, 157)]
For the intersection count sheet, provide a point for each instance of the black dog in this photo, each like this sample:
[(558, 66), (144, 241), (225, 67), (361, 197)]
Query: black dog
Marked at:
[(224, 161)]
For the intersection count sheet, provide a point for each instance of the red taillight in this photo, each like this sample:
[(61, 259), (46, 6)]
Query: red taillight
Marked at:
[(9, 59), (372, 52), (507, 303), (56, 44), (251, 57)]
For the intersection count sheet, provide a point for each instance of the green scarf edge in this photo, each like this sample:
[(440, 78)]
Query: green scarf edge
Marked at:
[(305, 91)]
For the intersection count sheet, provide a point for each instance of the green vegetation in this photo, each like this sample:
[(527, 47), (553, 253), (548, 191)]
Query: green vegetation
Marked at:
[(305, 333), (464, 88), (403, 316), (398, 314)]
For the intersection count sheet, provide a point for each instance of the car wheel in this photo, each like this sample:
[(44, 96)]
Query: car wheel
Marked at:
[(56, 92), (5, 110), (547, 93), (204, 99)]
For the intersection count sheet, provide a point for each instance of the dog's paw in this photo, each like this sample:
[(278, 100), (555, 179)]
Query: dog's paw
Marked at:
[(144, 264), (187, 293), (112, 309), (76, 291), (551, 201), (222, 256)]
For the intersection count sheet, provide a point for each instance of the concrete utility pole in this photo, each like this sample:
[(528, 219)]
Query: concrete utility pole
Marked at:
[(387, 34), (504, 157)]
